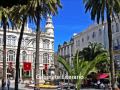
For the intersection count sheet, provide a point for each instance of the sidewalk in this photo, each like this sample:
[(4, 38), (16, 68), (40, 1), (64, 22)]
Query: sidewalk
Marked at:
[(22, 87), (12, 85)]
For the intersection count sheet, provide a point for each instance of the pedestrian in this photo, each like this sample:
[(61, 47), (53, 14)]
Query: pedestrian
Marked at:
[(3, 84), (8, 84)]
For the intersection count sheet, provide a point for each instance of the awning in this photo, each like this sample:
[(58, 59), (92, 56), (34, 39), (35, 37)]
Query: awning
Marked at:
[(102, 76)]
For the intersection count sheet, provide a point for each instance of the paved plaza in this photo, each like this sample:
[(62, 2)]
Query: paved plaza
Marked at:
[(22, 87)]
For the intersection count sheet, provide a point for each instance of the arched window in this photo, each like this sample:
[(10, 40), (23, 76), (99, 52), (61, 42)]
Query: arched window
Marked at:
[(46, 44), (45, 58), (24, 56), (11, 40), (1, 55), (34, 57), (10, 55)]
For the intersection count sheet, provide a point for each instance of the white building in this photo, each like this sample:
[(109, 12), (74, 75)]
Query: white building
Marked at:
[(27, 53), (98, 33), (66, 51), (94, 33)]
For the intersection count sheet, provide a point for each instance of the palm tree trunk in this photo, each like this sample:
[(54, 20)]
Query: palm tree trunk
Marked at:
[(4, 47), (37, 50), (112, 68), (18, 54), (78, 85)]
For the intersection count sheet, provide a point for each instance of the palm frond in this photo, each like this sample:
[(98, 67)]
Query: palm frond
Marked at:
[(65, 64)]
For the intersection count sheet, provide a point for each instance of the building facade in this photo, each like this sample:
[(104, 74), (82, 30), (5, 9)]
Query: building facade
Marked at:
[(95, 33), (66, 51), (99, 33), (28, 47)]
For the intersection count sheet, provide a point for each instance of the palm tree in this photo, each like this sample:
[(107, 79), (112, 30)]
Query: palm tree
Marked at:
[(100, 9), (5, 8), (43, 7), (19, 15), (40, 9), (34, 13), (4, 24), (81, 67), (91, 51), (15, 11)]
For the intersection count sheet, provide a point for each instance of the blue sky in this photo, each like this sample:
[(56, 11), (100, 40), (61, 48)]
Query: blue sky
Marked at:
[(70, 19)]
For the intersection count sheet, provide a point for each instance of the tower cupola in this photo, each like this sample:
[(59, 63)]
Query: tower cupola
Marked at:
[(49, 25)]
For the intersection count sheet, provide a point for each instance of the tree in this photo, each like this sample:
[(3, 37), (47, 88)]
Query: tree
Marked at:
[(41, 8), (19, 16), (3, 19), (5, 9), (99, 9), (35, 9), (81, 67), (91, 51), (13, 16)]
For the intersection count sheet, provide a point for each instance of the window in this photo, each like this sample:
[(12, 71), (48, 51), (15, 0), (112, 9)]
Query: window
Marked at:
[(113, 29), (117, 42), (87, 38), (11, 40), (113, 43), (117, 27), (10, 55), (46, 44), (68, 52), (78, 42), (82, 39), (24, 42), (52, 45), (34, 57), (45, 58), (1, 55), (64, 50), (100, 32), (24, 56), (1, 41), (72, 49), (93, 35)]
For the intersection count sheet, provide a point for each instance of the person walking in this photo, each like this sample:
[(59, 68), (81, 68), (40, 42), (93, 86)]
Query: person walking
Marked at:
[(8, 84)]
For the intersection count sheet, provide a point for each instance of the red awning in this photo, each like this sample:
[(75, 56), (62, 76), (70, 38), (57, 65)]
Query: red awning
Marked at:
[(102, 76)]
